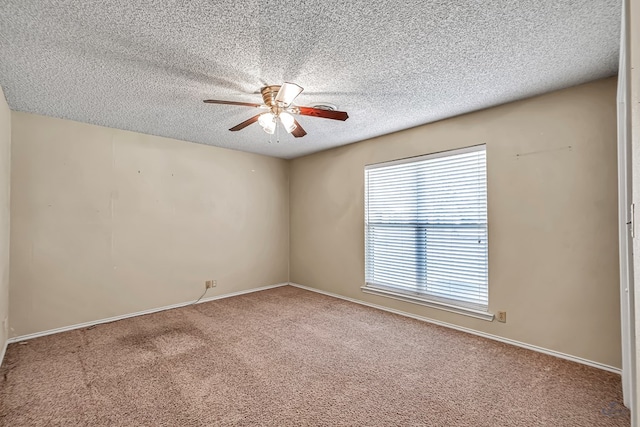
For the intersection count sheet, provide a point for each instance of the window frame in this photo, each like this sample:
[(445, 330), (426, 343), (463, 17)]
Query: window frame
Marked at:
[(417, 297)]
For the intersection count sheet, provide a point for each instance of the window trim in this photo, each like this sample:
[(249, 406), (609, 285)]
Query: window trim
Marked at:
[(388, 292), (446, 153), (415, 298)]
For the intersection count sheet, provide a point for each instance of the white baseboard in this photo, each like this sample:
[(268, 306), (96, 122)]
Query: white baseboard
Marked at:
[(3, 351), (470, 331), (139, 313)]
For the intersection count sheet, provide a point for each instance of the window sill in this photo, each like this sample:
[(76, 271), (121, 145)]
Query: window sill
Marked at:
[(416, 299)]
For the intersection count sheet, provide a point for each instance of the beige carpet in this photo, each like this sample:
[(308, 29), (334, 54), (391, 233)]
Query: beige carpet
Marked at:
[(289, 357)]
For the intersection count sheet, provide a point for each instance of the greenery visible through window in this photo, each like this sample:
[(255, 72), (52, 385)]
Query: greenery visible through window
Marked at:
[(426, 227)]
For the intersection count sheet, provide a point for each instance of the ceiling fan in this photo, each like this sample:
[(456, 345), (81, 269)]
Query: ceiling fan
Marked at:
[(278, 101)]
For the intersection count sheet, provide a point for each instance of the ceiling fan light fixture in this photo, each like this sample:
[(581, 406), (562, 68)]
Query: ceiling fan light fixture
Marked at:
[(266, 118), (288, 122), (268, 122), (287, 93), (270, 129)]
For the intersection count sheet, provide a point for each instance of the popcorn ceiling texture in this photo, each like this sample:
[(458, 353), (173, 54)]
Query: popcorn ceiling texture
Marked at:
[(146, 66)]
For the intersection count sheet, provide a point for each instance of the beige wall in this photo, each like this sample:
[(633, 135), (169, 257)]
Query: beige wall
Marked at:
[(5, 174), (109, 222), (553, 248)]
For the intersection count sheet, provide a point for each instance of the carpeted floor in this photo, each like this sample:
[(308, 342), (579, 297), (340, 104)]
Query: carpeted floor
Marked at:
[(289, 357)]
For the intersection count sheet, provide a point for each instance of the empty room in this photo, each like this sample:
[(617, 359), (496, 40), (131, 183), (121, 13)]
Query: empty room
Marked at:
[(271, 213)]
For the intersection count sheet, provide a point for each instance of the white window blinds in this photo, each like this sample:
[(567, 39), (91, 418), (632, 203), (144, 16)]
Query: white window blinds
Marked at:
[(426, 227)]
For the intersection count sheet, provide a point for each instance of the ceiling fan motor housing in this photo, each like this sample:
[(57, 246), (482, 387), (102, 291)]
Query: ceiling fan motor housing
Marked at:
[(269, 94)]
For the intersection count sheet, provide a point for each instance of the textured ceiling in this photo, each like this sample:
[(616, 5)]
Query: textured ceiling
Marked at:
[(146, 66)]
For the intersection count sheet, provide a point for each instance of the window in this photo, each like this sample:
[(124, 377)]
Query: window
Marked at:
[(426, 230)]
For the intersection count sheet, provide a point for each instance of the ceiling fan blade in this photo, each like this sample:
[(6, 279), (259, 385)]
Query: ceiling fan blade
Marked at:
[(325, 114), (298, 132), (287, 93), (245, 123), (243, 104)]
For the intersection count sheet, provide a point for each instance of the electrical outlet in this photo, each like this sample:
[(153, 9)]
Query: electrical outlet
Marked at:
[(210, 284), (501, 316)]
